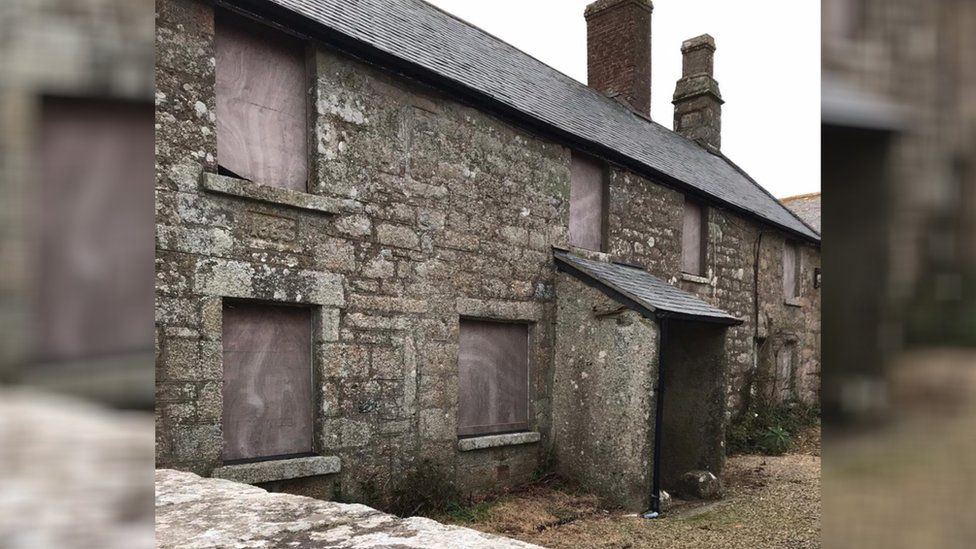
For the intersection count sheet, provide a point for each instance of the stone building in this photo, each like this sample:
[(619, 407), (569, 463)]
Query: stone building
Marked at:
[(385, 237), (807, 206)]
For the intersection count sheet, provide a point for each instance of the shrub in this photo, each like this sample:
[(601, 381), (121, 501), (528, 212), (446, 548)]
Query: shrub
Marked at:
[(775, 441), (769, 429)]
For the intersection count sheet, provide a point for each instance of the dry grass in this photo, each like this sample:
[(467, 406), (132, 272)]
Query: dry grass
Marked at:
[(770, 502), (538, 508)]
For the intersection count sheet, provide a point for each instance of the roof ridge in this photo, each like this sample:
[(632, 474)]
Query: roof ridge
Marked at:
[(800, 196)]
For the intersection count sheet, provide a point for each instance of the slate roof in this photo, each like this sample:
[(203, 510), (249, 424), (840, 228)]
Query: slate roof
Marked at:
[(807, 206), (642, 290), (422, 35)]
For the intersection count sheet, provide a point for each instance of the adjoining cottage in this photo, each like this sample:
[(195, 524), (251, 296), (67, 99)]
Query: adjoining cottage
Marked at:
[(386, 237), (807, 207)]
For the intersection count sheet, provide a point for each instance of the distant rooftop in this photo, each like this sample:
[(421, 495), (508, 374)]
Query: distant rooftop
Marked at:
[(807, 206)]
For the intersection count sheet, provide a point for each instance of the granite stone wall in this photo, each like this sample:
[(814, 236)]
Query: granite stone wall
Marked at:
[(604, 394), (645, 228), (420, 210)]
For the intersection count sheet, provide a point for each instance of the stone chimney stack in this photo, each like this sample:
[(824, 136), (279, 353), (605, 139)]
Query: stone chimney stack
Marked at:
[(618, 50), (697, 101)]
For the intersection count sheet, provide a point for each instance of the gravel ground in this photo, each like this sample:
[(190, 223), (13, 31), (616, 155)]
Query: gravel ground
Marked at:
[(910, 482), (770, 502)]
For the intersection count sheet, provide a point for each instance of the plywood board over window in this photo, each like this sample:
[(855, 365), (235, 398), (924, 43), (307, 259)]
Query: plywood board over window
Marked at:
[(94, 225), (267, 381), (587, 197), (494, 377), (262, 120), (791, 270), (694, 238)]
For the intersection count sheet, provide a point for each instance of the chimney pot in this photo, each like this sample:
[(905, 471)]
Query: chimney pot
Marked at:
[(697, 100), (618, 50), (697, 55)]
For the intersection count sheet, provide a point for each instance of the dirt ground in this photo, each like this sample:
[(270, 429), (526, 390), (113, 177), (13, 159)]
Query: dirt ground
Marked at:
[(769, 502), (909, 482)]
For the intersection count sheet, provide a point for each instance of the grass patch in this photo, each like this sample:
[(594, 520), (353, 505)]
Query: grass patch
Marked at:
[(770, 429), (468, 514)]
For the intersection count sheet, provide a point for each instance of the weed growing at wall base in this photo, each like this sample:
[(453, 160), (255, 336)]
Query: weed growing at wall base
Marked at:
[(424, 491), (769, 429)]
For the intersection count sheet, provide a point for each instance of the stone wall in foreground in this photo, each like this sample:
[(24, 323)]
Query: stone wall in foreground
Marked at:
[(192, 511)]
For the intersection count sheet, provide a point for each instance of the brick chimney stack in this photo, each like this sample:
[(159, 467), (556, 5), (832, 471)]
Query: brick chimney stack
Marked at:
[(697, 101), (618, 50)]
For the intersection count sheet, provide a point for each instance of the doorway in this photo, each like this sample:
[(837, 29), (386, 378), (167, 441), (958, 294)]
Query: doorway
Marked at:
[(694, 396)]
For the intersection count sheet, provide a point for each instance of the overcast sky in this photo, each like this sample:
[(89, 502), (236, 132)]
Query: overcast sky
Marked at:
[(767, 65)]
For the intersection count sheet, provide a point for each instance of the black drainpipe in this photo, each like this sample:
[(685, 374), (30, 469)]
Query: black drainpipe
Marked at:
[(658, 417)]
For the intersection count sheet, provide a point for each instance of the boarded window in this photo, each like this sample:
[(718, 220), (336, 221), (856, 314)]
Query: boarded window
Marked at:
[(791, 270), (494, 377), (694, 238), (785, 363), (586, 204), (94, 224), (843, 19), (267, 381), (261, 103)]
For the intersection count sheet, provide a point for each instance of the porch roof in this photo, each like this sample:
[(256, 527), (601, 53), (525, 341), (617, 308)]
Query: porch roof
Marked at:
[(636, 288)]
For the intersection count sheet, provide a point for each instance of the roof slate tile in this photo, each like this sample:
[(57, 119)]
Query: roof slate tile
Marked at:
[(656, 296)]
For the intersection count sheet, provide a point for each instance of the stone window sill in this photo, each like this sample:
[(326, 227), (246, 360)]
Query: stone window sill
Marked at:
[(687, 277), (265, 193), (282, 469), (495, 441), (794, 302)]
